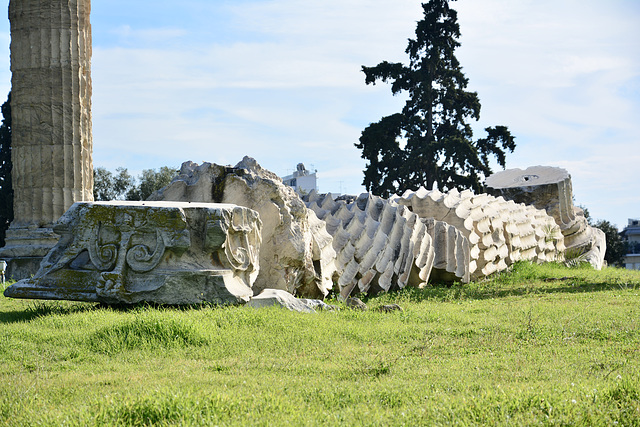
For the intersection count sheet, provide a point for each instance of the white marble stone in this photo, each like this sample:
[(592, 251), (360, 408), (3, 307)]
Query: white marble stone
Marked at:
[(296, 253), (451, 252), (157, 252), (549, 188), (499, 232), (380, 245), (283, 299)]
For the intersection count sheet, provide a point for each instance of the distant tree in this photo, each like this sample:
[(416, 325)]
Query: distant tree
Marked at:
[(586, 214), (109, 186), (151, 180), (616, 247), (123, 186), (430, 140), (6, 189)]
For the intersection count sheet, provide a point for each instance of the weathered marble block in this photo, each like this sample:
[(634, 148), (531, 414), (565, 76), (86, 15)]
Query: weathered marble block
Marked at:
[(380, 245), (499, 232), (451, 250), (157, 252), (549, 188), (296, 253), (544, 187)]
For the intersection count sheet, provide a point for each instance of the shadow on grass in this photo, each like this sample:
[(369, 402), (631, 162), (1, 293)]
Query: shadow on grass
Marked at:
[(39, 309), (523, 279), (462, 293)]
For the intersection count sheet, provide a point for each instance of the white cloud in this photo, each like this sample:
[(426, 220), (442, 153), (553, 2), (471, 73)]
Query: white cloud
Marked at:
[(288, 96), (280, 80), (127, 34), (564, 77)]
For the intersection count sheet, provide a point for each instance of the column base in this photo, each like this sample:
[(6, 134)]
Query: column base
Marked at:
[(24, 250)]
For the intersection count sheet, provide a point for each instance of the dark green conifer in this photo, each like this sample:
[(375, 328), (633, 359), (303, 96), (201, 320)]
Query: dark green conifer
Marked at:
[(430, 140)]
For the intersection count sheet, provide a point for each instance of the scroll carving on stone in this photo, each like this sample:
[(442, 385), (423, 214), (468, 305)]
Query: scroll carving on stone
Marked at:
[(163, 252), (232, 235)]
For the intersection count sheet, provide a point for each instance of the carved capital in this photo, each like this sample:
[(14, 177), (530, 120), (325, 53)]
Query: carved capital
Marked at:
[(150, 251)]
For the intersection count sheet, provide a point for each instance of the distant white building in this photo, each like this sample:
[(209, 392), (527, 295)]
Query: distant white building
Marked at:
[(631, 234), (302, 180)]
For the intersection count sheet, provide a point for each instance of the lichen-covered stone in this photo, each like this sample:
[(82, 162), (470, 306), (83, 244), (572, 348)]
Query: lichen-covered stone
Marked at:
[(157, 252), (296, 253), (51, 140)]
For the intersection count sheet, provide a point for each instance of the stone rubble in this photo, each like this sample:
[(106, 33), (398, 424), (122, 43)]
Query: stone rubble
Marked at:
[(499, 232), (296, 253), (379, 244), (244, 232), (550, 189), (236, 234)]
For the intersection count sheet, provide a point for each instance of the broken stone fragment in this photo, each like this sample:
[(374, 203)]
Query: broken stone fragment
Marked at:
[(499, 232), (550, 189), (283, 299), (451, 249), (388, 308), (157, 252), (380, 245), (355, 303), (296, 253), (544, 187)]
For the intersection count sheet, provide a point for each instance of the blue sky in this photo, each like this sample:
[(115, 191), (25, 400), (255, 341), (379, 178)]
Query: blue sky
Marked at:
[(280, 80)]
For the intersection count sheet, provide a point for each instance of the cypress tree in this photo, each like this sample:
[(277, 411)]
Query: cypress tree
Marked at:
[(430, 140)]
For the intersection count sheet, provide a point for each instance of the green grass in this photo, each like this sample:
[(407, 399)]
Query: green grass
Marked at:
[(538, 345)]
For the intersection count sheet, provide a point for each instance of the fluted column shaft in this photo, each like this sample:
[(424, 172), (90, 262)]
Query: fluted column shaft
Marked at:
[(51, 108)]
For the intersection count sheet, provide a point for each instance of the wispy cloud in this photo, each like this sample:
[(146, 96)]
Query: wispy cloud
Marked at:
[(127, 34), (280, 80), (289, 94), (565, 77)]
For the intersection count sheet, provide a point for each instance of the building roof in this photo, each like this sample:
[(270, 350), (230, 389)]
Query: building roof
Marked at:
[(630, 231), (633, 229)]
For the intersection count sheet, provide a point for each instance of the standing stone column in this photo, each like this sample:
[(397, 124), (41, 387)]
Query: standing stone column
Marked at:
[(51, 123)]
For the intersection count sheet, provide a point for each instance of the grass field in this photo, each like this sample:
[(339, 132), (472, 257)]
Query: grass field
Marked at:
[(538, 345)]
